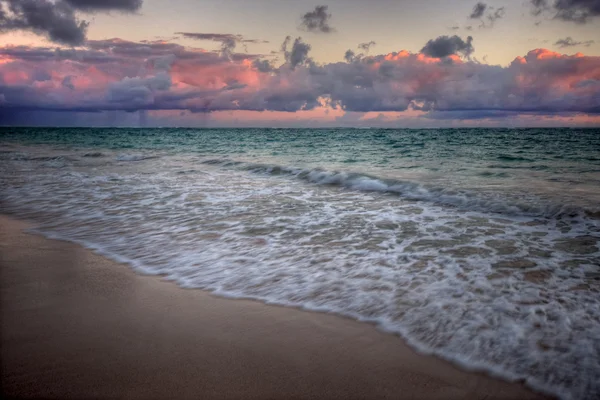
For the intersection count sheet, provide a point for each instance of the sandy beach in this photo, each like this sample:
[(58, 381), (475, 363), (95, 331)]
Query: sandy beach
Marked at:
[(76, 325)]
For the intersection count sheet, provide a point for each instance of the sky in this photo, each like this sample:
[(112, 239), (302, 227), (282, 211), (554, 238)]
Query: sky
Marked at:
[(292, 63)]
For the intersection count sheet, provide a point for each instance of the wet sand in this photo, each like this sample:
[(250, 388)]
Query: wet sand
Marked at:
[(78, 326)]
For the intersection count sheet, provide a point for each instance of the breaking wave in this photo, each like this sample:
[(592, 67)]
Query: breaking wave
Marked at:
[(462, 199)]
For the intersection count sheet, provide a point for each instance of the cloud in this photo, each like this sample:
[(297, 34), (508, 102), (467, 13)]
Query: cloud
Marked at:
[(263, 65), (118, 75), (219, 37), (317, 21), (538, 7), (444, 46), (484, 12), (496, 15), (366, 46), (285, 43), (589, 83), (578, 11), (478, 10), (57, 20), (349, 56), (569, 42), (135, 93), (298, 54), (228, 41), (106, 5), (56, 54), (470, 114), (118, 47), (68, 82)]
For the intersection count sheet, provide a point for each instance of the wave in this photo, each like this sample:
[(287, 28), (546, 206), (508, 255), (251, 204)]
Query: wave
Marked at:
[(46, 158), (462, 199), (133, 157), (380, 321), (463, 286), (505, 157), (489, 174)]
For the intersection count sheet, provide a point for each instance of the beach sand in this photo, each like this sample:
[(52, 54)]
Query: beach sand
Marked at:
[(78, 326)]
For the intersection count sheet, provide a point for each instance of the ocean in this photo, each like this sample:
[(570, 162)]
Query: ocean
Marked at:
[(480, 246)]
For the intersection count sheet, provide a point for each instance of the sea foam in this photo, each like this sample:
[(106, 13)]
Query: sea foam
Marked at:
[(513, 292)]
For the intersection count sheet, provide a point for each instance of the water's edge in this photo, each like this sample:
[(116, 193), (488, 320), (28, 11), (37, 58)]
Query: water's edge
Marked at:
[(480, 247), (415, 345)]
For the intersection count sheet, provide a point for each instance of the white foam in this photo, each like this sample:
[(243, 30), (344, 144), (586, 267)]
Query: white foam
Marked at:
[(133, 157), (422, 270), (466, 200)]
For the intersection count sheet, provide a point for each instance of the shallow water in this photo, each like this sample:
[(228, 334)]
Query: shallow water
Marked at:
[(480, 246)]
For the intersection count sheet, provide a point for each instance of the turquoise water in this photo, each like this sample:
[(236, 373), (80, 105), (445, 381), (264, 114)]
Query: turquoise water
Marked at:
[(558, 165), (478, 245)]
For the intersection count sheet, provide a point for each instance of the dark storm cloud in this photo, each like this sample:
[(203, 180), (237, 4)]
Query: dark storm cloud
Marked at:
[(444, 46), (57, 20), (317, 21), (569, 42), (478, 10), (106, 5), (366, 46), (578, 11)]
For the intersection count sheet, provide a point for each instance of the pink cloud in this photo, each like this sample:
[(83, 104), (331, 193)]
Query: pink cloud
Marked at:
[(116, 74)]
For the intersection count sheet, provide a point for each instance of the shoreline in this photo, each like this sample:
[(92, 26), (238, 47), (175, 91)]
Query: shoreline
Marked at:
[(78, 325)]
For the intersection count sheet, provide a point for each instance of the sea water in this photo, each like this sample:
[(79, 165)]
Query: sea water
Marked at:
[(478, 245)]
